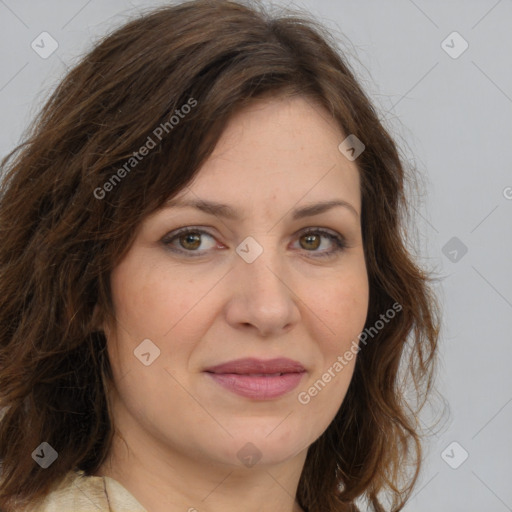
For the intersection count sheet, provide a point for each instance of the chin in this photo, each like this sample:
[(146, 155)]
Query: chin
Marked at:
[(248, 448)]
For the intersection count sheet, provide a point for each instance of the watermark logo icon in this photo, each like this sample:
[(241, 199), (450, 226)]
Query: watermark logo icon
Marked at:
[(454, 249), (454, 455), (351, 147), (44, 45), (249, 455), (147, 352), (454, 45), (249, 249), (45, 455)]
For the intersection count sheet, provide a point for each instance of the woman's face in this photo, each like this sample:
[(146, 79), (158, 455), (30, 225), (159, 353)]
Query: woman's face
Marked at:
[(263, 285)]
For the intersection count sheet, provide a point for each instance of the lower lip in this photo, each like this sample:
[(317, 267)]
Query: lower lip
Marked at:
[(259, 388)]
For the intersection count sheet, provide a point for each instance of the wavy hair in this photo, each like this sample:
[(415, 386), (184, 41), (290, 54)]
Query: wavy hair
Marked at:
[(66, 221)]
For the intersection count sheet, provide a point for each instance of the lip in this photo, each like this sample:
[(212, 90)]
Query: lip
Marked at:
[(257, 378), (248, 365)]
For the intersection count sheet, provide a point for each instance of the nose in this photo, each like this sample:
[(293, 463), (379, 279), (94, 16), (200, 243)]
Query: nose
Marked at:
[(262, 296)]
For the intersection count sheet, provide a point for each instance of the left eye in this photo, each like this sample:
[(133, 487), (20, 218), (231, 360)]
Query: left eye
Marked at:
[(190, 240)]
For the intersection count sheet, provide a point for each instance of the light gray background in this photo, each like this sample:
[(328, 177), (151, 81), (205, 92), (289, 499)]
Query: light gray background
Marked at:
[(453, 119)]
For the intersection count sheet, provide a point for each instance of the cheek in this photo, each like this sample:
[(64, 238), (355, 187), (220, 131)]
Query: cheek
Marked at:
[(150, 300), (342, 308), (155, 301)]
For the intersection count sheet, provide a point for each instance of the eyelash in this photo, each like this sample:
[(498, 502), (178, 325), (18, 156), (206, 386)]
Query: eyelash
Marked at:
[(339, 241)]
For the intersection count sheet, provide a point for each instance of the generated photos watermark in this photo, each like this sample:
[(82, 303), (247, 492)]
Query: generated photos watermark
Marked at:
[(152, 141), (304, 397)]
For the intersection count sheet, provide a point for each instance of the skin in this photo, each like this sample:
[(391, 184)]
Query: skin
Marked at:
[(178, 432)]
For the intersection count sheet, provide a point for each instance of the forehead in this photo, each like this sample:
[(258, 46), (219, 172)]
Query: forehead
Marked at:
[(279, 150)]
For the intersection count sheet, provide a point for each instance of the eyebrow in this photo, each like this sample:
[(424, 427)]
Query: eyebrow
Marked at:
[(228, 212)]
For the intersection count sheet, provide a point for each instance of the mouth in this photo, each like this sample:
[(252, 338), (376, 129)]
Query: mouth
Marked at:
[(258, 379)]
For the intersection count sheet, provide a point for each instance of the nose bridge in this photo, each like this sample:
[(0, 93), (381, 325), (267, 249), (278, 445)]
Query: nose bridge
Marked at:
[(261, 277), (261, 262)]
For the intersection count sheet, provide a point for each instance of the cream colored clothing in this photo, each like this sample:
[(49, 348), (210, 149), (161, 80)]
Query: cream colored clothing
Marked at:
[(81, 493)]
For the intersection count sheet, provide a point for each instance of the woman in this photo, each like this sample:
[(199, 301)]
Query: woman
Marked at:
[(206, 295)]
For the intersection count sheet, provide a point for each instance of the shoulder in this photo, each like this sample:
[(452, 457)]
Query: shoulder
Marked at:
[(81, 493)]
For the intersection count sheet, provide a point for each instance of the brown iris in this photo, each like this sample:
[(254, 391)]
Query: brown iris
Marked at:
[(310, 238), (193, 238)]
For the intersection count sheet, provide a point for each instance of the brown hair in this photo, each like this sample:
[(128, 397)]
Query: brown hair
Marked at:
[(66, 221)]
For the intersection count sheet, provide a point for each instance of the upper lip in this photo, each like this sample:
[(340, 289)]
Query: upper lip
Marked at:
[(250, 365)]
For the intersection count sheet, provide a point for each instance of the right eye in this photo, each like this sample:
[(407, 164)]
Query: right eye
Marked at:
[(189, 239)]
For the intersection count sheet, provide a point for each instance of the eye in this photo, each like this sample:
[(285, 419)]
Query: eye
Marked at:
[(189, 241), (312, 240)]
